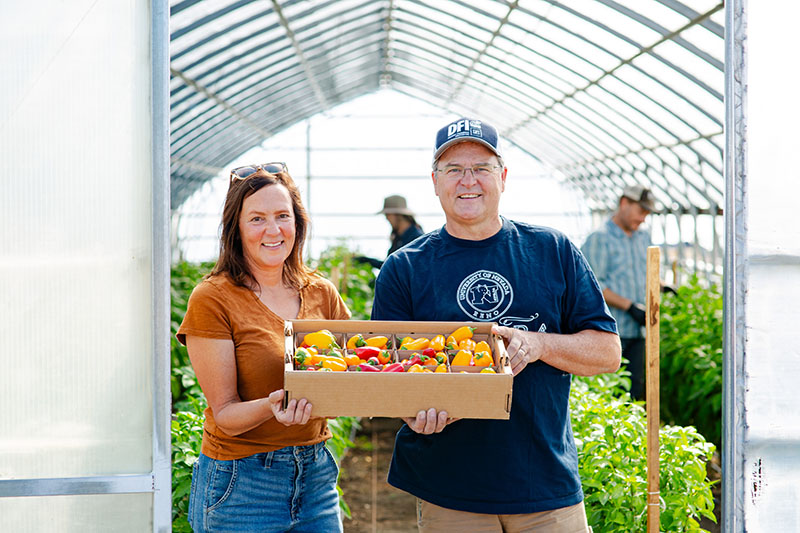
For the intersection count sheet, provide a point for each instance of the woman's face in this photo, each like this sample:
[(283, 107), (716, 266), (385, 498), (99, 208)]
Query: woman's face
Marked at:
[(267, 227)]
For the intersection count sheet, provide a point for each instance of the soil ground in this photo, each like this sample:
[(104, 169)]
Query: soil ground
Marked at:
[(375, 505)]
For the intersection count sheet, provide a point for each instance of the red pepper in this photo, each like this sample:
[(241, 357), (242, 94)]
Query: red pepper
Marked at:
[(415, 360), (394, 367), (366, 367), (430, 352), (373, 361), (365, 352)]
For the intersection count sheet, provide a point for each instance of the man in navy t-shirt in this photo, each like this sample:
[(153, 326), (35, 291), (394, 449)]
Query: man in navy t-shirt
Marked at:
[(519, 474)]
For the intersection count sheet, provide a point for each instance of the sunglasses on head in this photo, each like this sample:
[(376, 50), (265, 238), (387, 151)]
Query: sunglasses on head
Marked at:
[(242, 173)]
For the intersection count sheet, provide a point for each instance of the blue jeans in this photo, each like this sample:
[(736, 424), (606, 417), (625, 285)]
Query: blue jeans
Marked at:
[(291, 489)]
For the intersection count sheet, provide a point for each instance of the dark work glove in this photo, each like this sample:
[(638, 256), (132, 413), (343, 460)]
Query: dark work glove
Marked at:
[(638, 313), (374, 263), (668, 288)]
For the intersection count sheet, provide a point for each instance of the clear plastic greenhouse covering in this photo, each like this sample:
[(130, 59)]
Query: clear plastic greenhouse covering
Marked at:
[(603, 92)]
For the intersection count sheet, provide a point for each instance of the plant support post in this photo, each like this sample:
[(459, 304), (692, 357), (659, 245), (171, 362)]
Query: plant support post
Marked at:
[(652, 391)]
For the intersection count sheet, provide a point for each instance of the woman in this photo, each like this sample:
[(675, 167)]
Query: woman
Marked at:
[(262, 467)]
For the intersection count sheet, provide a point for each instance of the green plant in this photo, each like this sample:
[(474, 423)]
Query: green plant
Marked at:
[(354, 280), (691, 358), (188, 401), (611, 435), (187, 435), (183, 278)]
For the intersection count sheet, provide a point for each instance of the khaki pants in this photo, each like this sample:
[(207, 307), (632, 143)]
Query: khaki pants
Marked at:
[(433, 519)]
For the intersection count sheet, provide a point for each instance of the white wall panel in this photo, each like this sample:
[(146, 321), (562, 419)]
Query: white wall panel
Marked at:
[(117, 513), (770, 451), (77, 258)]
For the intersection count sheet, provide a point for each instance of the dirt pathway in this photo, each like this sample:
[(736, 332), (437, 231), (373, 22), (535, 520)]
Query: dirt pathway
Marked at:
[(378, 507), (375, 505)]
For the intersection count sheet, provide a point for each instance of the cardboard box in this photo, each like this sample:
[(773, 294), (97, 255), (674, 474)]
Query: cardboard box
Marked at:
[(390, 394)]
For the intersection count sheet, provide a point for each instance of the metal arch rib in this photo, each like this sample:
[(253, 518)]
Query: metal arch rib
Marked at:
[(312, 80), (485, 49), (624, 62), (219, 100), (385, 70)]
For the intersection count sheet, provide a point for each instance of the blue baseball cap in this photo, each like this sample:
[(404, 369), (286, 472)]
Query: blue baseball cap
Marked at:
[(466, 129)]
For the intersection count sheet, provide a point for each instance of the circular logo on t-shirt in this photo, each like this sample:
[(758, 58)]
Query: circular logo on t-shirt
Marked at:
[(485, 295)]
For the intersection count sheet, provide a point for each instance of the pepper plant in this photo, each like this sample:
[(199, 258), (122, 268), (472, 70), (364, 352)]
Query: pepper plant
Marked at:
[(691, 358), (611, 438), (188, 401)]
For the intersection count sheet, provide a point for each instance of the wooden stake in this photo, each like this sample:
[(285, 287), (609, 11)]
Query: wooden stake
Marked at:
[(653, 419)]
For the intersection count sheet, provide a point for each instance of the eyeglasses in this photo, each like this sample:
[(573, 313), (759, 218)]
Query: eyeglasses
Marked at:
[(242, 173), (457, 171)]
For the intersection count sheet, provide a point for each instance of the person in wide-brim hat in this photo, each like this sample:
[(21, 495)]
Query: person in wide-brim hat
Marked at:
[(404, 226)]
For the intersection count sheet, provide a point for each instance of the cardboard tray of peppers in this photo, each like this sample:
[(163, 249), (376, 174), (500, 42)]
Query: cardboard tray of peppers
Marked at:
[(397, 368)]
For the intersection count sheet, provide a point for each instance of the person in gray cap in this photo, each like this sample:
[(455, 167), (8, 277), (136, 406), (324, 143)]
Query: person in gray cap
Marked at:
[(404, 227), (617, 252), (535, 285)]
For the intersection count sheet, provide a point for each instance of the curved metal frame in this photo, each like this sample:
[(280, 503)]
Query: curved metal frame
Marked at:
[(586, 116)]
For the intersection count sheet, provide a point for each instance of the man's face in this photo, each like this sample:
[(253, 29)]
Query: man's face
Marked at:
[(631, 215), (469, 200)]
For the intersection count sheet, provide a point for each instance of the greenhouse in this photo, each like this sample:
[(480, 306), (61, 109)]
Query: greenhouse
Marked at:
[(124, 122)]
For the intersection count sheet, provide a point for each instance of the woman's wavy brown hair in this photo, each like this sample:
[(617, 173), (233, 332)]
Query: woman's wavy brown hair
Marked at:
[(231, 255)]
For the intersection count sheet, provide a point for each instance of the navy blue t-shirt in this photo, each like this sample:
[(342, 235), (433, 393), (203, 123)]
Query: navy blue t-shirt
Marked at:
[(528, 277)]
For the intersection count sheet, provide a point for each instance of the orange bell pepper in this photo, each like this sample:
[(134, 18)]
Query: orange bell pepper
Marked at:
[(464, 332), (438, 342), (352, 359), (483, 359), (415, 368), (462, 358), (466, 344), (429, 361), (384, 357), (483, 346)]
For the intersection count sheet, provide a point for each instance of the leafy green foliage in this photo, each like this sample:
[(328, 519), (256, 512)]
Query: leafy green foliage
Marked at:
[(184, 277), (187, 435), (188, 401), (355, 281), (610, 429), (611, 438), (691, 358)]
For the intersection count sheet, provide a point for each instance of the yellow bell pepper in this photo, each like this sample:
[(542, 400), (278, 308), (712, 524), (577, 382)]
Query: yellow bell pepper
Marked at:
[(464, 332), (415, 368), (483, 346), (488, 370), (437, 343), (451, 343), (415, 344), (334, 363), (377, 342), (322, 339), (441, 368), (356, 341), (483, 359)]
